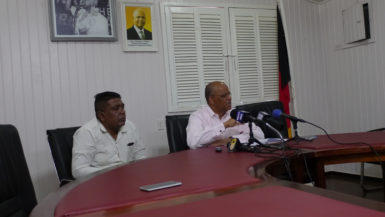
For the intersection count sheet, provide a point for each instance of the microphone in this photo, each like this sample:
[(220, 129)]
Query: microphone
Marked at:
[(278, 113), (264, 116), (241, 116)]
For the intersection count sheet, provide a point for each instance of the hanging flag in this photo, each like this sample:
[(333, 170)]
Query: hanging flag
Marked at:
[(284, 71)]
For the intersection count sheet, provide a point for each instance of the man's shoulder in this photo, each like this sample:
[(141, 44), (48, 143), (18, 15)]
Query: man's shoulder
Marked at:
[(90, 126), (131, 29), (203, 111)]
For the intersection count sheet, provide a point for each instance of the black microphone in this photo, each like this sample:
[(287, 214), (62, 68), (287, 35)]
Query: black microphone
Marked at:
[(242, 116), (278, 113)]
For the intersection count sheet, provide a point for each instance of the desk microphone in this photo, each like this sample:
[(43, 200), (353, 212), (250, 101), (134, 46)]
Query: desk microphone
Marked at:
[(278, 113)]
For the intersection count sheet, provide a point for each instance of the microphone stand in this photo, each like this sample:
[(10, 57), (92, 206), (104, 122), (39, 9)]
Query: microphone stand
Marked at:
[(296, 137), (252, 139)]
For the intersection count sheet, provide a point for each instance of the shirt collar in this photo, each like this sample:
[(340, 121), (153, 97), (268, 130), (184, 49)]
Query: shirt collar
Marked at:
[(123, 129), (137, 29)]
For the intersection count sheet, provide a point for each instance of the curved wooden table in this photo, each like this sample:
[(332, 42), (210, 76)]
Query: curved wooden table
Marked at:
[(206, 176)]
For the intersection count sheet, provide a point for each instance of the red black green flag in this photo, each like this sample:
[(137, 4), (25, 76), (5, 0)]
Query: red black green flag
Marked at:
[(284, 70)]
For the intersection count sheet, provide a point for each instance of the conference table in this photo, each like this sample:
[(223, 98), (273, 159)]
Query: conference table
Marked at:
[(223, 183)]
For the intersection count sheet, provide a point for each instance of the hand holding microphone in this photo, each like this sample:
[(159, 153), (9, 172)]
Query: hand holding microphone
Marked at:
[(231, 123)]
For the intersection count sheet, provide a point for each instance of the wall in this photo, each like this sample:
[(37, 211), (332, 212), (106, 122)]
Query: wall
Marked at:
[(341, 90), (46, 85)]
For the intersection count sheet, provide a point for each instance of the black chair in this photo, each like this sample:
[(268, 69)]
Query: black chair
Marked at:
[(176, 132), (364, 187), (268, 106), (17, 196), (60, 141)]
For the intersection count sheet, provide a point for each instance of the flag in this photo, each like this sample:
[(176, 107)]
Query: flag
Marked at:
[(284, 71)]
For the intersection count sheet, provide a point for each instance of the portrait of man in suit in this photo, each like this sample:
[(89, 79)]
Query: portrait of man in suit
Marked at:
[(137, 31)]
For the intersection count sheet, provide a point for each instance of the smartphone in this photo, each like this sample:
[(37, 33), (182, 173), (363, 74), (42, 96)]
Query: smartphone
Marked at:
[(161, 185)]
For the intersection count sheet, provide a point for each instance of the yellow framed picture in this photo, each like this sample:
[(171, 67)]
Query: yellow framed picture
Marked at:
[(137, 26)]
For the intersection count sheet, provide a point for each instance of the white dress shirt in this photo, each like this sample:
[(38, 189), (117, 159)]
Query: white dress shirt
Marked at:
[(95, 149), (205, 126)]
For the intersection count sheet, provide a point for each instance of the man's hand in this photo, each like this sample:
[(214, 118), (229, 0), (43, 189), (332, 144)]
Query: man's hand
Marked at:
[(231, 123)]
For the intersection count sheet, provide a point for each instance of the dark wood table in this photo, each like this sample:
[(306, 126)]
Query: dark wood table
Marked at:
[(206, 175)]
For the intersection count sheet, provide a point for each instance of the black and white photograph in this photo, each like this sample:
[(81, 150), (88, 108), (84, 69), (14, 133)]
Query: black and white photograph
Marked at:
[(82, 20)]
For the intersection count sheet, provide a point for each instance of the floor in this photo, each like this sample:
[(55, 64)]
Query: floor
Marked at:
[(350, 184)]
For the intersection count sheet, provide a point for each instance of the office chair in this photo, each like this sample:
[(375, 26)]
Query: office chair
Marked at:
[(365, 188), (268, 107), (176, 132), (17, 195), (60, 141)]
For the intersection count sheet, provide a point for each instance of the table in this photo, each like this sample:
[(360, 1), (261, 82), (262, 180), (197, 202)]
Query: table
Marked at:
[(357, 147), (205, 174)]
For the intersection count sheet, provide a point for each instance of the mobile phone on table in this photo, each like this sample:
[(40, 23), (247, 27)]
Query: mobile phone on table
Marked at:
[(161, 185)]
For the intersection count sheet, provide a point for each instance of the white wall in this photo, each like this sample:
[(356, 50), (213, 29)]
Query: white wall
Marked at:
[(46, 85), (341, 90)]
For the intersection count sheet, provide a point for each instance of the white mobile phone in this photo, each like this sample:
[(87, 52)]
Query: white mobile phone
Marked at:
[(161, 185)]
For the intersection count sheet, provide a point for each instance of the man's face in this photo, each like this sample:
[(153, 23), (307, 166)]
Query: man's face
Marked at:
[(221, 99), (113, 115), (139, 19)]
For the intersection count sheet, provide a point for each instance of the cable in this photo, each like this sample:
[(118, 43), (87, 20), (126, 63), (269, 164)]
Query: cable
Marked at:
[(378, 158)]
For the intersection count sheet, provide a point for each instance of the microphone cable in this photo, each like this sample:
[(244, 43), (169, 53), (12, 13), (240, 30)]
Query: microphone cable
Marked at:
[(378, 157)]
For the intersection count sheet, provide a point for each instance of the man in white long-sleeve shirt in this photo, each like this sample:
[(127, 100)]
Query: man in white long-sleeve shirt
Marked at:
[(212, 124), (107, 140)]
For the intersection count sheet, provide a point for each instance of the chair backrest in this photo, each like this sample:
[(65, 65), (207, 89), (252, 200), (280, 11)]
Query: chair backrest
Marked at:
[(60, 141), (17, 196), (176, 132), (268, 106)]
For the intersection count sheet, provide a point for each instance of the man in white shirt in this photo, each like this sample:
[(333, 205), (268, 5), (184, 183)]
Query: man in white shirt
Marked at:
[(107, 140), (212, 124)]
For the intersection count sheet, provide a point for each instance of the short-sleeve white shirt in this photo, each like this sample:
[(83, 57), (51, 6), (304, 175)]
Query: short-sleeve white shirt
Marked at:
[(95, 149)]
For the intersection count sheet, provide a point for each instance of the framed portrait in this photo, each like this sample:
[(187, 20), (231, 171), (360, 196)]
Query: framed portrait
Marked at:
[(82, 20), (137, 26)]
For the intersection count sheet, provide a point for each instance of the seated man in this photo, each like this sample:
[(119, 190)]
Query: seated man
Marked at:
[(107, 140), (212, 124)]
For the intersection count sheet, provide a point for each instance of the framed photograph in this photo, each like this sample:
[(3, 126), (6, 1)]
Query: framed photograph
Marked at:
[(137, 26), (82, 20)]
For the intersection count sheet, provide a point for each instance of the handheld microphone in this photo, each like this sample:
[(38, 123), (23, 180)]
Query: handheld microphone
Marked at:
[(278, 113), (241, 116)]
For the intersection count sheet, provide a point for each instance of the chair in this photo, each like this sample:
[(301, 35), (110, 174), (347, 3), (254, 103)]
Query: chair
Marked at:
[(176, 132), (17, 195), (365, 188), (60, 141), (268, 106)]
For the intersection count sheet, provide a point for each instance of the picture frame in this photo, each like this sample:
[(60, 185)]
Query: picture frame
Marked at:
[(82, 20), (138, 30)]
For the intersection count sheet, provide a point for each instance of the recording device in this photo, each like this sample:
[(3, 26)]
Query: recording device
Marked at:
[(278, 113), (235, 145), (218, 149)]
